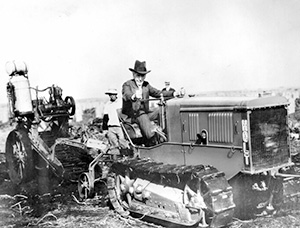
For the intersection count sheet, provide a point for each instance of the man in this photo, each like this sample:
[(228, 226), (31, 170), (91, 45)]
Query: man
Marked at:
[(168, 87), (111, 123), (136, 93)]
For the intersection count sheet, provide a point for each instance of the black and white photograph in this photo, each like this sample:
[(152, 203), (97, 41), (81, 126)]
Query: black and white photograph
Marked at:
[(150, 113)]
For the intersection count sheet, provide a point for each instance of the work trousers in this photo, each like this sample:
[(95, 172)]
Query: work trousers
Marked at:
[(144, 122), (116, 137)]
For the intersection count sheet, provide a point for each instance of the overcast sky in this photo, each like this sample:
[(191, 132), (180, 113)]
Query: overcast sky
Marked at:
[(87, 46)]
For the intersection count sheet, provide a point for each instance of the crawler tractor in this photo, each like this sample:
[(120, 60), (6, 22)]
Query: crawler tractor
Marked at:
[(224, 157), (41, 139)]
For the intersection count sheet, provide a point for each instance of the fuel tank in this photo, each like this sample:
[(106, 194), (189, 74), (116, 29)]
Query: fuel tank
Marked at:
[(21, 88)]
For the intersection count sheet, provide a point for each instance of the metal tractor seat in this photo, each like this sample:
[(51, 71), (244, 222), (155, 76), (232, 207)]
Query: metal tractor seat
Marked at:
[(133, 131)]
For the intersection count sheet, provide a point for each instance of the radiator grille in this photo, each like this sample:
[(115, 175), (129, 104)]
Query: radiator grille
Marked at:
[(194, 127), (220, 127), (269, 135)]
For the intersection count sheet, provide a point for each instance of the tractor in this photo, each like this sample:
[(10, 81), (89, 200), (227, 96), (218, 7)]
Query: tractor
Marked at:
[(224, 157)]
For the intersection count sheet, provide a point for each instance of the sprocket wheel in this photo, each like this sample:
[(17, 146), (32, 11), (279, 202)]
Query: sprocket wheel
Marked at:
[(119, 190), (19, 157), (124, 189)]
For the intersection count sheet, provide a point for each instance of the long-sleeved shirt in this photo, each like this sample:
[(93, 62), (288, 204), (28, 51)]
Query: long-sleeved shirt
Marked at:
[(135, 107)]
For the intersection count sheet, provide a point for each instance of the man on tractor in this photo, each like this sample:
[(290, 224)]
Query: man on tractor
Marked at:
[(136, 93)]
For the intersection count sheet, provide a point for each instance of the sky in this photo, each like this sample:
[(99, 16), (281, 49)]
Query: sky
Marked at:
[(86, 47)]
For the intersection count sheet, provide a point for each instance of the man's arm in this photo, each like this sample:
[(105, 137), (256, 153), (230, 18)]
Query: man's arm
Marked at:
[(105, 122), (168, 93), (153, 92), (105, 118), (127, 92)]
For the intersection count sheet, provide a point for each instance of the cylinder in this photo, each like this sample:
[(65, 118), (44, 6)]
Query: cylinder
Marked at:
[(23, 101), (16, 67)]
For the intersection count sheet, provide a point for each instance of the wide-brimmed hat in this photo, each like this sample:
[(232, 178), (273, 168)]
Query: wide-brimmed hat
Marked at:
[(140, 68), (111, 91)]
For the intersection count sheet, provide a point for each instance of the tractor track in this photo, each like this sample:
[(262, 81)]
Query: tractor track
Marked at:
[(75, 160), (215, 188)]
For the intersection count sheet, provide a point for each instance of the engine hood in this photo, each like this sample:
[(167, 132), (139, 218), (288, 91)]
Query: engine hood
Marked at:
[(227, 103)]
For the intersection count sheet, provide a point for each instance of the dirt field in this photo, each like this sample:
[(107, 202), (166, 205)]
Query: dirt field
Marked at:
[(26, 208)]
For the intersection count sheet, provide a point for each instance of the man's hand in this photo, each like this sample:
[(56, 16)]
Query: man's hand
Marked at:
[(133, 97), (139, 93)]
